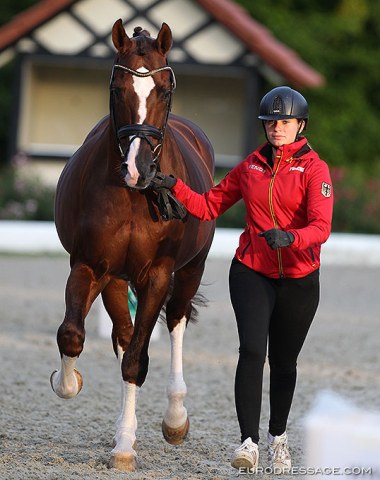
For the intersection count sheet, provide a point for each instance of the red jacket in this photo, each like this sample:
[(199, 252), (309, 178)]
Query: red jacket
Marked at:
[(295, 195)]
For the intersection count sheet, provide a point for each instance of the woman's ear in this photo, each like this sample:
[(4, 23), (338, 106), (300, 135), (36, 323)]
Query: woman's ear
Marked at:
[(302, 126)]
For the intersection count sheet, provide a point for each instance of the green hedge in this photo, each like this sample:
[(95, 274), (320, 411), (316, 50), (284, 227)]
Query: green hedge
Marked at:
[(24, 197)]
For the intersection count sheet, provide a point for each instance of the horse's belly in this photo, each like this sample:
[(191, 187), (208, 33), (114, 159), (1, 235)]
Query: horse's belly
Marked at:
[(196, 241)]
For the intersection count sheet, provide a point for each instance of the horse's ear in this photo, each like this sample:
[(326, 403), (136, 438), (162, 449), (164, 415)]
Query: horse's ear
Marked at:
[(164, 39), (119, 38)]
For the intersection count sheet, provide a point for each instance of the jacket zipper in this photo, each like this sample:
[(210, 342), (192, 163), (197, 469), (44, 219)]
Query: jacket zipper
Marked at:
[(247, 245), (273, 215), (245, 249), (312, 257)]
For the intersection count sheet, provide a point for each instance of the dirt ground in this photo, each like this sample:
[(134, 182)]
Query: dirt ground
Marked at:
[(44, 437)]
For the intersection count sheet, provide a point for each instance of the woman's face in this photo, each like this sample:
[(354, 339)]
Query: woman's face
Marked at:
[(282, 132)]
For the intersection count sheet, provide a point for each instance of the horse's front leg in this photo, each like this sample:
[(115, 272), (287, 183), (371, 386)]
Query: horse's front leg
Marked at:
[(81, 290), (135, 368), (66, 382)]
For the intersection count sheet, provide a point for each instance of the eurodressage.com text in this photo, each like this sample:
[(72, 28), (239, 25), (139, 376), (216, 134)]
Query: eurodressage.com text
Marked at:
[(355, 471)]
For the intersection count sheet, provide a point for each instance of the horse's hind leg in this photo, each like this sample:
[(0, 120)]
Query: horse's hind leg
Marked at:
[(81, 290), (115, 300), (175, 424)]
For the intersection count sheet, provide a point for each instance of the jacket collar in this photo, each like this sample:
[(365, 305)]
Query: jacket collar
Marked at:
[(292, 150)]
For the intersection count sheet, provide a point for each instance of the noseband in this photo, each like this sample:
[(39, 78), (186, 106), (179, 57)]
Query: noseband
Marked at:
[(144, 131)]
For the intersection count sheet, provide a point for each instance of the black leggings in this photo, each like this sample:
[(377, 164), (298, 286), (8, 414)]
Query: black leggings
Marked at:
[(280, 311)]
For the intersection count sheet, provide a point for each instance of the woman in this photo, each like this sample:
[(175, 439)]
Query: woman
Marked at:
[(274, 276)]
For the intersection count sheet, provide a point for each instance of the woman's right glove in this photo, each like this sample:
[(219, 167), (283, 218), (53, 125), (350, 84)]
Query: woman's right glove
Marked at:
[(169, 206)]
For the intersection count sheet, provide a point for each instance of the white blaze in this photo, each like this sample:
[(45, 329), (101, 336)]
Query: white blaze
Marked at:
[(143, 86)]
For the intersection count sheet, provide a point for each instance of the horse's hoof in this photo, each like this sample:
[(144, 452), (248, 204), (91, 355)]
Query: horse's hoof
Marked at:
[(125, 462), (175, 436), (72, 394)]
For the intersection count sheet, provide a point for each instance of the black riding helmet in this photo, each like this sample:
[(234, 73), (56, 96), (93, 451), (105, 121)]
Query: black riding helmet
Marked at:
[(282, 103)]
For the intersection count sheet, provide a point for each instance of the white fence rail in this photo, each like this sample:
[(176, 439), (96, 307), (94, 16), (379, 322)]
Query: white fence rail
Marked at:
[(340, 249)]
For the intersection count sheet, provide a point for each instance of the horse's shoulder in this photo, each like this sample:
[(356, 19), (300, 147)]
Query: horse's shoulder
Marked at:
[(184, 125), (194, 146), (99, 128)]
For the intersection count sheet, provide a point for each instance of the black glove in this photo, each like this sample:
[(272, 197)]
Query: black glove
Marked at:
[(170, 208), (277, 238), (163, 181)]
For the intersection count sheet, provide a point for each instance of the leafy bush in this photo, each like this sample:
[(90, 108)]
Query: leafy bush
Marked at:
[(24, 197), (357, 200)]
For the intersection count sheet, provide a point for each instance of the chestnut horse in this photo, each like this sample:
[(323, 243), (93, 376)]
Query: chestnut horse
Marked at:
[(107, 218)]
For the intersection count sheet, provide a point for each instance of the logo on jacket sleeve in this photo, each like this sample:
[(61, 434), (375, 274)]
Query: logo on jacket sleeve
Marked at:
[(326, 189)]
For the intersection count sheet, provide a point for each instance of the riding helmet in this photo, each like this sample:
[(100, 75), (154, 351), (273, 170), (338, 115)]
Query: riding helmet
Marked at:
[(282, 103)]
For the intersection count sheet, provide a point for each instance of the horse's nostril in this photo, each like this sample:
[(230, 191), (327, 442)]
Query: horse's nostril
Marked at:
[(152, 168), (124, 168)]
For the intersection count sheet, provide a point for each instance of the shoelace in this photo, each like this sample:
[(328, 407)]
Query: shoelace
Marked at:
[(279, 451), (247, 446)]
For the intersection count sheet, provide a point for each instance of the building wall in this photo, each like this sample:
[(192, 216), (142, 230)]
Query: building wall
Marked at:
[(59, 104)]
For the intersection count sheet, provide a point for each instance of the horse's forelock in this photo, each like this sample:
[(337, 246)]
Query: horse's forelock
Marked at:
[(138, 31), (141, 38)]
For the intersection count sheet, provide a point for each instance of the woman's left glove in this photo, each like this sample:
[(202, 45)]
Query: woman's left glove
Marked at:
[(277, 238), (163, 181)]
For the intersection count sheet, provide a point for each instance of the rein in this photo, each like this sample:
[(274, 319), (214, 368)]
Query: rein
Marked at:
[(144, 131)]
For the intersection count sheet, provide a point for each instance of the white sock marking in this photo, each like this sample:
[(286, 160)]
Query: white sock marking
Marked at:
[(176, 414), (127, 424), (65, 382), (120, 354)]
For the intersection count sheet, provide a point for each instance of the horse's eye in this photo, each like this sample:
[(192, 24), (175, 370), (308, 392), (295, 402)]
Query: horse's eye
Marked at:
[(115, 91), (167, 94)]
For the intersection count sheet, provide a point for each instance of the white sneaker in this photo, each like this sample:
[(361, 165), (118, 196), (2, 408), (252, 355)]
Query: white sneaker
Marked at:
[(246, 456), (278, 453)]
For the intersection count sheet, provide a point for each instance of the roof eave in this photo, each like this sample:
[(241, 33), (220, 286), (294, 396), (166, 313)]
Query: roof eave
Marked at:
[(262, 42), (29, 19)]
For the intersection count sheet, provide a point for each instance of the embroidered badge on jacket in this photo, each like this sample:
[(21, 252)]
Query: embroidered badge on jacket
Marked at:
[(326, 189)]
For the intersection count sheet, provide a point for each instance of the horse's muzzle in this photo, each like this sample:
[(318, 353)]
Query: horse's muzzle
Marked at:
[(141, 180)]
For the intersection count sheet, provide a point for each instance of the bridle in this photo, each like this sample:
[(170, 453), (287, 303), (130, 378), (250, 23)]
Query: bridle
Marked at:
[(144, 131)]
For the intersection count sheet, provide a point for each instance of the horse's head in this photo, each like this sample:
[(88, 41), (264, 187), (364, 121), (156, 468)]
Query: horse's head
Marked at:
[(141, 87)]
